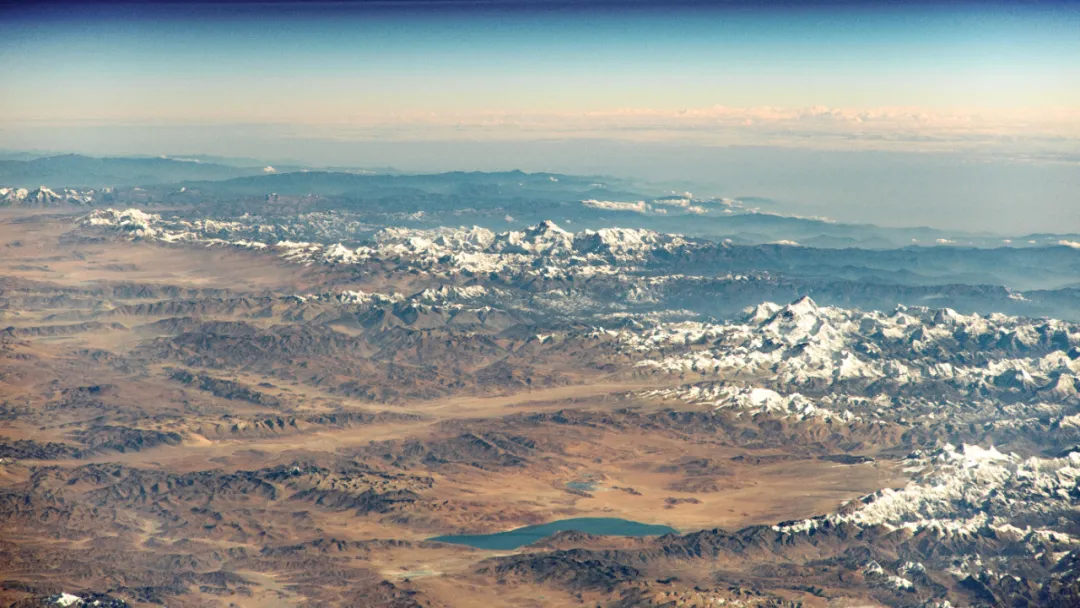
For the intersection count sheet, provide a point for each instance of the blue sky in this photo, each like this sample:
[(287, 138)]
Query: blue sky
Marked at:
[(343, 63)]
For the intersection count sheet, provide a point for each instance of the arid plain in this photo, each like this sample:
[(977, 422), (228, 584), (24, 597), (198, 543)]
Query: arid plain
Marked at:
[(253, 479)]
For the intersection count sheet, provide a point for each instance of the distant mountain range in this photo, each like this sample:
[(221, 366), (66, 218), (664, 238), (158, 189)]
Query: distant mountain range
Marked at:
[(73, 170), (494, 200)]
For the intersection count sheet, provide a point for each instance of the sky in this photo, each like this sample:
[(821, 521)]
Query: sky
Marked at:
[(993, 82), (545, 69)]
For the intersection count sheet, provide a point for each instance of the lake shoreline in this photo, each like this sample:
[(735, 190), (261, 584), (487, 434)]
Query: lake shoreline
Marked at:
[(527, 535)]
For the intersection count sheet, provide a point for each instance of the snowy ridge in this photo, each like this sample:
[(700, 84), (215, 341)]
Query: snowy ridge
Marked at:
[(803, 344), (302, 230), (971, 492), (43, 195), (446, 298), (544, 251), (751, 400), (355, 297)]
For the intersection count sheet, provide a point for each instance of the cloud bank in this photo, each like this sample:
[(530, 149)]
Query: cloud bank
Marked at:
[(1054, 132)]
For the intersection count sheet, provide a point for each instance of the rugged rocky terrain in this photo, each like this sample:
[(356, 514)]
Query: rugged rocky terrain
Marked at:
[(281, 405)]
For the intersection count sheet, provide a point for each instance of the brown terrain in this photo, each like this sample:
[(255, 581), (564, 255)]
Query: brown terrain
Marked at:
[(173, 432)]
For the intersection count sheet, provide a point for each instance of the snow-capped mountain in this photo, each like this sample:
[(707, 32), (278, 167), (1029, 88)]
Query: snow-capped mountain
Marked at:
[(802, 344), (43, 196), (544, 250), (1011, 515)]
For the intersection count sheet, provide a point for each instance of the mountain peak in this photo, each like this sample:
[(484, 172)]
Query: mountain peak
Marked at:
[(803, 305), (546, 227)]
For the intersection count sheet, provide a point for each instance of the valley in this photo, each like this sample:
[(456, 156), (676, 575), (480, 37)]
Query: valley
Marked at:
[(199, 421)]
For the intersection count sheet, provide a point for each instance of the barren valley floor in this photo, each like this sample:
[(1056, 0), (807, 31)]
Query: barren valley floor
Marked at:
[(179, 427)]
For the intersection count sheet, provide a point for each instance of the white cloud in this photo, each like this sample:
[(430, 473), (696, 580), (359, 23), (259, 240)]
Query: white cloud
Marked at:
[(639, 206), (1029, 134), (1046, 131)]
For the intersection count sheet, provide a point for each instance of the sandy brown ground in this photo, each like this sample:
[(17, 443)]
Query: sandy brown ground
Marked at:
[(29, 243), (635, 471)]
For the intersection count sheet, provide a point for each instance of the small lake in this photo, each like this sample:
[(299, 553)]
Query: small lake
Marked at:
[(512, 539)]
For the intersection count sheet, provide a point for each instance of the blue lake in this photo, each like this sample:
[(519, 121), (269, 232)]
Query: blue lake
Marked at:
[(512, 539)]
